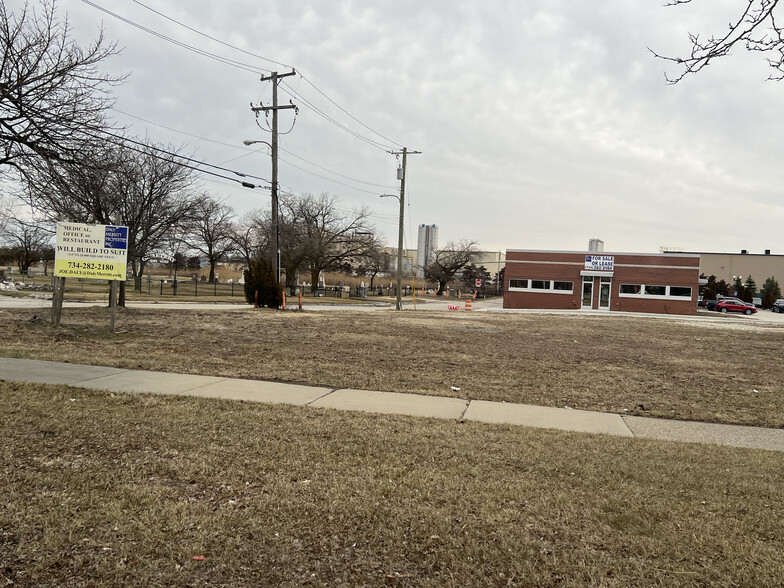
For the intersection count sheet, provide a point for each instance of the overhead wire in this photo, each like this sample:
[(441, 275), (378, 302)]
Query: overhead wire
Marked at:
[(128, 143), (175, 21), (251, 68), (250, 53), (250, 152), (232, 62)]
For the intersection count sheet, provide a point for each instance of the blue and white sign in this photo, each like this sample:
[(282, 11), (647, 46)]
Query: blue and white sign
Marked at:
[(600, 262), (116, 237)]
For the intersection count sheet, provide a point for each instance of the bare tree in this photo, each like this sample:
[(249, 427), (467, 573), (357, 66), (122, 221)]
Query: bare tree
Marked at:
[(448, 261), (27, 242), (250, 235), (136, 184), (211, 232), (52, 94), (294, 241), (755, 29), (329, 236), (6, 212), (375, 261)]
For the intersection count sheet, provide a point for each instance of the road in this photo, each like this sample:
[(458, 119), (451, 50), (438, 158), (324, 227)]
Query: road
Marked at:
[(494, 305)]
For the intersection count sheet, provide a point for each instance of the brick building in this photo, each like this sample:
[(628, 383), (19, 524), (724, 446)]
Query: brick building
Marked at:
[(666, 283)]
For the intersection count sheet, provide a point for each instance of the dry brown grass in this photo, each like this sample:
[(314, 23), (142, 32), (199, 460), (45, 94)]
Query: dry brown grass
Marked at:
[(645, 366), (124, 490)]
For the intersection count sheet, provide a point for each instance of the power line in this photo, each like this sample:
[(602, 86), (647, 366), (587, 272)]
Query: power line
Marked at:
[(292, 92), (239, 65), (252, 151), (175, 21), (250, 68), (334, 172), (124, 142), (250, 53), (346, 112)]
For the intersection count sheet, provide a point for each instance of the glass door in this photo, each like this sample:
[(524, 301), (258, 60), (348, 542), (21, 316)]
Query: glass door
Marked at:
[(604, 293), (587, 292)]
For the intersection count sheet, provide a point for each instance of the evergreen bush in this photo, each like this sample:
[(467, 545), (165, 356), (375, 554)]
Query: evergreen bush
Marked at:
[(260, 278)]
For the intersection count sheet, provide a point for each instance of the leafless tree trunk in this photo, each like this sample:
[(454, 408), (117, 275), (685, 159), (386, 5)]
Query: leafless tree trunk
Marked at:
[(330, 237), (211, 231), (448, 261)]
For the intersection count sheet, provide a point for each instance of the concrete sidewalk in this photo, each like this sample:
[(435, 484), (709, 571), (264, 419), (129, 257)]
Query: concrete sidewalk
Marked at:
[(122, 380)]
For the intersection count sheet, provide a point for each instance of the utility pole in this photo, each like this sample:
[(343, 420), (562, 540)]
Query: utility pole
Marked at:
[(402, 178), (274, 77)]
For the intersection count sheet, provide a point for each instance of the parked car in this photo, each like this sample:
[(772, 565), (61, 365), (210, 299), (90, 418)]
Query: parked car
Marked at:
[(757, 302), (711, 304), (778, 306), (727, 305)]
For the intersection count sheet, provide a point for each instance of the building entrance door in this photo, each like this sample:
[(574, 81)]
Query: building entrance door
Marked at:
[(604, 293), (587, 292)]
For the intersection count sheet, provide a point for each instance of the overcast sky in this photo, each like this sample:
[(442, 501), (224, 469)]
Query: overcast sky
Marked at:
[(541, 123)]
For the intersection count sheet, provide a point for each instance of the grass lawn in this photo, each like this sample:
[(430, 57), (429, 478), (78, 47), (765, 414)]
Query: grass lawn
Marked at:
[(728, 371), (112, 489)]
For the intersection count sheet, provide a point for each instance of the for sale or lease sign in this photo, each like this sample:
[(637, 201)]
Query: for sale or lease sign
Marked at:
[(99, 252), (599, 262)]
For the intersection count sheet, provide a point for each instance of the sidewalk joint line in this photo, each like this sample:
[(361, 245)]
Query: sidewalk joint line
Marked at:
[(220, 381), (77, 384)]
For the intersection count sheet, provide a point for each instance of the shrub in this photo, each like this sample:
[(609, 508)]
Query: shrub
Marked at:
[(260, 278)]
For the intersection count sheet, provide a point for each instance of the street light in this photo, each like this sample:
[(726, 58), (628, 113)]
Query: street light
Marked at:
[(399, 303), (274, 148)]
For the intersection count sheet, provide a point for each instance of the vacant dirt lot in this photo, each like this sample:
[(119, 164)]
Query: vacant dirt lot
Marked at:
[(654, 367)]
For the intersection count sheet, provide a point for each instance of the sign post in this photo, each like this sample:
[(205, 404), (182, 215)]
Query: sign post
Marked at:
[(94, 252)]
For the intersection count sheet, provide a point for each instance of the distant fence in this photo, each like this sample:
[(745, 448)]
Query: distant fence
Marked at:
[(170, 287)]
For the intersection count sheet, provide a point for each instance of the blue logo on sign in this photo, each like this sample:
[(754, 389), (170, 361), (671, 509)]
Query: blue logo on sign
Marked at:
[(116, 238)]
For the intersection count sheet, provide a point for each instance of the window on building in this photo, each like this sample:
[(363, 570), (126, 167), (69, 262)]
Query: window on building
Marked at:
[(680, 291), (541, 286), (646, 291)]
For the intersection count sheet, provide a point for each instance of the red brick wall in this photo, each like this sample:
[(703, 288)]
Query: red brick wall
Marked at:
[(662, 270)]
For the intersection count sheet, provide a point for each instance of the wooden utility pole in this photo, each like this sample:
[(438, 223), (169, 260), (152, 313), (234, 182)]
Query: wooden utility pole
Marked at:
[(274, 77), (402, 178)]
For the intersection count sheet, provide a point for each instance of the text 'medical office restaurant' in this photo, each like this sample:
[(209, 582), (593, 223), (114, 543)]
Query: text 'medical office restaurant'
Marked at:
[(666, 283)]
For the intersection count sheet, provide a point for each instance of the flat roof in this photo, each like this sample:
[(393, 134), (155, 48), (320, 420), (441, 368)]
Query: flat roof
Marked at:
[(604, 253), (738, 254)]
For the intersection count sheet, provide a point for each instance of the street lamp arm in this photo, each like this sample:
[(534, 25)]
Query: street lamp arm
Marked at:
[(249, 142)]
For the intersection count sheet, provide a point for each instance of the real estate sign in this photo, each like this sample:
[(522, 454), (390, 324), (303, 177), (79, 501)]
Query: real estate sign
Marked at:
[(99, 252), (599, 262)]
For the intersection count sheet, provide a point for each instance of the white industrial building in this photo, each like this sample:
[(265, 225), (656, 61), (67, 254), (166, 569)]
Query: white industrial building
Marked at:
[(427, 244)]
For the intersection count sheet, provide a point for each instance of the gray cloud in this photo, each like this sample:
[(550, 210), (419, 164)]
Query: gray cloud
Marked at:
[(541, 123)]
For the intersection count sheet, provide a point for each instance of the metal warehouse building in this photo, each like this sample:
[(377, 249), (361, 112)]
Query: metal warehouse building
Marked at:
[(666, 283)]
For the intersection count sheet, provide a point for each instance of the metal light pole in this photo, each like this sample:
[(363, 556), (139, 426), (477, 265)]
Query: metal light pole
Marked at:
[(399, 302), (275, 222)]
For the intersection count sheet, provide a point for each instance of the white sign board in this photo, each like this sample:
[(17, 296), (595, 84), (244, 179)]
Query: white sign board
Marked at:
[(99, 252), (599, 262)]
